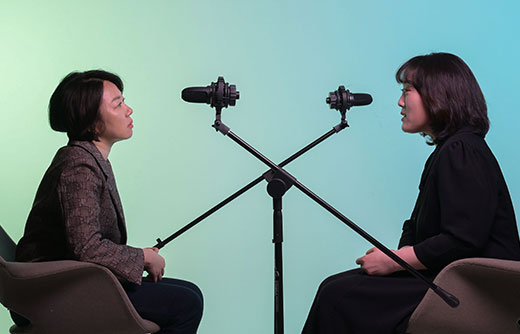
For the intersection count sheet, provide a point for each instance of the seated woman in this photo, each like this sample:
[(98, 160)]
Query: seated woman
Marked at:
[(77, 213), (463, 208)]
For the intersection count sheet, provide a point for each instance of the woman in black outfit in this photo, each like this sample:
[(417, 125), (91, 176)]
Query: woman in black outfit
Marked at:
[(463, 208)]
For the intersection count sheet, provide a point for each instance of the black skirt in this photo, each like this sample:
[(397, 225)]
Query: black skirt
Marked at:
[(356, 303)]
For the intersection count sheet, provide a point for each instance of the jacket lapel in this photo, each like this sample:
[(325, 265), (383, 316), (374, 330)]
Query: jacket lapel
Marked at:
[(105, 166)]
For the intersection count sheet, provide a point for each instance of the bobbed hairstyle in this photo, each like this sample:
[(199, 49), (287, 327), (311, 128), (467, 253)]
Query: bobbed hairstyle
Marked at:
[(450, 93), (74, 105)]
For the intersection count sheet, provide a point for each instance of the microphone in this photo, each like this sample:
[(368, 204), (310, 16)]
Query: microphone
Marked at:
[(219, 94), (196, 94), (343, 100)]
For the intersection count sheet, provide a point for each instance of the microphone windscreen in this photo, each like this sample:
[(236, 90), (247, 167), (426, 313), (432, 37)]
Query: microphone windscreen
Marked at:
[(196, 94), (362, 99)]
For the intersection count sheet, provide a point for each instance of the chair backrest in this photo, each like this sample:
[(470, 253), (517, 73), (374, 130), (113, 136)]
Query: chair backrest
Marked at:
[(7, 246), (89, 296)]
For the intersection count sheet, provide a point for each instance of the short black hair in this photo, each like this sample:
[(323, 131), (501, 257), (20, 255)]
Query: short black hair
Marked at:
[(450, 93), (74, 105)]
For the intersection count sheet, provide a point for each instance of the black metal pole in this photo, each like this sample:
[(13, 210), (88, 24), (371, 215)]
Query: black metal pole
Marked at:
[(278, 267), (446, 296), (161, 243), (277, 186)]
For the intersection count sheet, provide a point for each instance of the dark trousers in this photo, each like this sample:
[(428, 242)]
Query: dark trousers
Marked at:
[(175, 305), (19, 320), (356, 303)]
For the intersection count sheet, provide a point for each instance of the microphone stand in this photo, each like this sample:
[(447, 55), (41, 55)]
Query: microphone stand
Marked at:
[(279, 181), (220, 94), (161, 243)]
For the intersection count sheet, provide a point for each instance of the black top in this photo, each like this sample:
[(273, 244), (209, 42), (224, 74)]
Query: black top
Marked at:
[(464, 208)]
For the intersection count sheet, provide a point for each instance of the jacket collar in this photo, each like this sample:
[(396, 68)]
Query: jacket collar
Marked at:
[(93, 150)]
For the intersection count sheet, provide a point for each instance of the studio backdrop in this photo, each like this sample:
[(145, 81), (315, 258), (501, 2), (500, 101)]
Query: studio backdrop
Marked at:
[(284, 57)]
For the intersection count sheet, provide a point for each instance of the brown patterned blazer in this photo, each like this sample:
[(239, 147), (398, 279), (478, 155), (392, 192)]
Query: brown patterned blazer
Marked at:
[(77, 214)]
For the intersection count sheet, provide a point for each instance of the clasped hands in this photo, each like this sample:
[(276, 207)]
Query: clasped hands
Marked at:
[(153, 264), (374, 262), (377, 263)]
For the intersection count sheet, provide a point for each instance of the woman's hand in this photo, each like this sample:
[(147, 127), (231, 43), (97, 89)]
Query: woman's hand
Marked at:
[(377, 263), (153, 264)]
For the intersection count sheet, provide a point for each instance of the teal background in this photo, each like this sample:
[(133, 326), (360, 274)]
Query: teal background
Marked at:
[(285, 57)]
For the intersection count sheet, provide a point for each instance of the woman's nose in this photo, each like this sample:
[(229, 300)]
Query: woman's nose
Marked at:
[(400, 103)]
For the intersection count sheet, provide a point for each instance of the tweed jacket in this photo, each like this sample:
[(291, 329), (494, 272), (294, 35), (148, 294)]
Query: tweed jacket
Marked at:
[(77, 214), (464, 208)]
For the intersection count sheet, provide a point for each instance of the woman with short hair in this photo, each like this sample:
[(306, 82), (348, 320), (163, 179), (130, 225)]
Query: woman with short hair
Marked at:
[(463, 208), (77, 213)]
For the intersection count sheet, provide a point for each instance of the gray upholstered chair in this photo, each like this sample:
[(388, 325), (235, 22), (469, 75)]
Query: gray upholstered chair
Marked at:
[(489, 294), (66, 297)]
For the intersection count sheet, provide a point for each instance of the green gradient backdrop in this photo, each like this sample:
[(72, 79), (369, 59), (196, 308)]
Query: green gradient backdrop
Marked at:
[(284, 57)]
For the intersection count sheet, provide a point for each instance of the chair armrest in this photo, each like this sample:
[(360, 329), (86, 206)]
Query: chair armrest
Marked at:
[(33, 270), (69, 297), (489, 294), (482, 265)]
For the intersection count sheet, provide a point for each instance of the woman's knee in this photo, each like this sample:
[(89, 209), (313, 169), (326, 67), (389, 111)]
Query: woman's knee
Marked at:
[(180, 282), (196, 290), (192, 300), (338, 286), (197, 300)]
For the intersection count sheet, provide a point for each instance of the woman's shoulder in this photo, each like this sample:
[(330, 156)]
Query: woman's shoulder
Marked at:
[(463, 141), (466, 151), (75, 156), (78, 152)]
